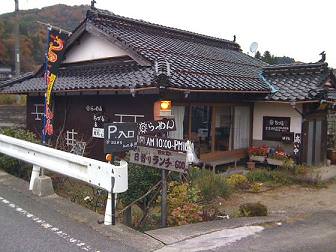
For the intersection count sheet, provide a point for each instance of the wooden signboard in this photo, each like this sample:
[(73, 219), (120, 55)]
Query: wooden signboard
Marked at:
[(162, 159), (119, 137), (169, 144), (275, 127)]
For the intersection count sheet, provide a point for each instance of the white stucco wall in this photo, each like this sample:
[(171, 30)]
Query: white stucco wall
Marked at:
[(91, 48), (275, 109)]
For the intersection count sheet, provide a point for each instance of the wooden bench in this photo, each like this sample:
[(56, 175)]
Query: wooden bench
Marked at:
[(214, 159)]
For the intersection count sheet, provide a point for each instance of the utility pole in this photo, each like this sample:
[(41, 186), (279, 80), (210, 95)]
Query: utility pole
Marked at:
[(17, 40)]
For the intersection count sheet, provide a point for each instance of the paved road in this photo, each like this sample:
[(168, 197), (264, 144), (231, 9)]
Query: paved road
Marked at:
[(28, 226), (315, 233)]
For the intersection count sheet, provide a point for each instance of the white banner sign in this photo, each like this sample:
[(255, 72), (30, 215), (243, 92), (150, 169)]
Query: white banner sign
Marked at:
[(162, 159)]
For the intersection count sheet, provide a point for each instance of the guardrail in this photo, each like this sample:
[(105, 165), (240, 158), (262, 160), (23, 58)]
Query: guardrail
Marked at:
[(111, 178)]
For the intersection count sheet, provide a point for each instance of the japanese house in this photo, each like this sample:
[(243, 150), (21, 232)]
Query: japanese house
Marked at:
[(117, 69), (5, 72)]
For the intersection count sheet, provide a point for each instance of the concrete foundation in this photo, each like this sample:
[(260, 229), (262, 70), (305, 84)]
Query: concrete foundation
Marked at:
[(43, 186)]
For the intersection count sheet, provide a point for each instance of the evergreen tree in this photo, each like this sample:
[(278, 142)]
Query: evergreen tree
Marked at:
[(257, 55), (268, 57)]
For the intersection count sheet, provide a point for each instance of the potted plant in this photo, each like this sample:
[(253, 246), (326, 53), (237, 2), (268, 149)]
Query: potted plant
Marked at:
[(277, 158), (258, 154), (250, 165)]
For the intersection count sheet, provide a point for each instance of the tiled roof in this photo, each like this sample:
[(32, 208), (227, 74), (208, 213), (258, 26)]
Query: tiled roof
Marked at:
[(296, 82), (194, 61), (90, 75)]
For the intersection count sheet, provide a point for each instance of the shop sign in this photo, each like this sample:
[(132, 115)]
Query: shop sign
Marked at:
[(120, 137), (297, 144), (275, 127), (94, 108), (287, 137), (161, 143), (154, 127), (98, 132), (161, 159)]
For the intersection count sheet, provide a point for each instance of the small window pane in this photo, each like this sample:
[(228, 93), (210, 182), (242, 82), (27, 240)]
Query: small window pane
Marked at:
[(201, 127)]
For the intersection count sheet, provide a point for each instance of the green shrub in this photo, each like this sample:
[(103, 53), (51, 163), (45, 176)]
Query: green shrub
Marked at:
[(300, 170), (188, 213), (140, 180), (14, 166), (272, 176), (252, 209), (238, 181), (259, 175), (210, 185), (181, 193), (280, 177), (183, 204), (256, 187)]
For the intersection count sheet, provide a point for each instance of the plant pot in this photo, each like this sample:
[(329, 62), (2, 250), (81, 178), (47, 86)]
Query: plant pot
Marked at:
[(250, 165), (257, 158), (276, 162), (331, 154)]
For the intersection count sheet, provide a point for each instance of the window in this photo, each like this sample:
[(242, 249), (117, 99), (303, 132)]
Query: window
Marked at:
[(217, 127), (201, 127), (223, 128)]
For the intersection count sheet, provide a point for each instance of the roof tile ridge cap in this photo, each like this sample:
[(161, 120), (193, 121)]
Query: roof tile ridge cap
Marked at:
[(16, 80), (154, 25), (193, 55), (97, 64), (296, 65), (212, 74)]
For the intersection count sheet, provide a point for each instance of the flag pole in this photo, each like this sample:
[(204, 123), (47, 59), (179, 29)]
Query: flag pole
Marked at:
[(54, 26), (45, 94)]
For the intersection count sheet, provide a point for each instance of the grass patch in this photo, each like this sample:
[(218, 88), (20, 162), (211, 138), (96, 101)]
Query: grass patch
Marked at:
[(210, 185)]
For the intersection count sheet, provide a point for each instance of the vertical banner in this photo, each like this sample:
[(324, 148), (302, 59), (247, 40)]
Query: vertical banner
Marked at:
[(54, 56), (297, 147)]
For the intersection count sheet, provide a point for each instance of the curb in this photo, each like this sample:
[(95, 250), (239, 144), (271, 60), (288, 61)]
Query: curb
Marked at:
[(172, 235)]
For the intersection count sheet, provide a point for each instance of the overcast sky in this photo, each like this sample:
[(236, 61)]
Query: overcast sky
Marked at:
[(296, 28)]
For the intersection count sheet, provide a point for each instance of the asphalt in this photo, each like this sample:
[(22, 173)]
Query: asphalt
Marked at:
[(30, 223), (315, 233)]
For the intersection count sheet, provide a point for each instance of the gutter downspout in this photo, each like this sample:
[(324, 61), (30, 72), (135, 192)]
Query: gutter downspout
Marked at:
[(273, 89)]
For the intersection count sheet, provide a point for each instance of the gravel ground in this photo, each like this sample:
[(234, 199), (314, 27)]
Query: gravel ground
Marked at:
[(288, 200)]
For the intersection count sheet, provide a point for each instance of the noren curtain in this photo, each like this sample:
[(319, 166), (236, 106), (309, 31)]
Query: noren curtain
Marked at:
[(242, 125), (178, 113)]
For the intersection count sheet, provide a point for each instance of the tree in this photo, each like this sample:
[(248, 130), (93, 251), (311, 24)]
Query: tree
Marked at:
[(268, 58), (257, 55), (272, 60)]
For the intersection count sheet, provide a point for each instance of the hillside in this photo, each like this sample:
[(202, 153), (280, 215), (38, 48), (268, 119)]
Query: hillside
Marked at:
[(32, 34)]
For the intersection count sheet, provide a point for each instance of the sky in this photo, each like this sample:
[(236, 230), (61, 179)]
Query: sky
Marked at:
[(300, 29)]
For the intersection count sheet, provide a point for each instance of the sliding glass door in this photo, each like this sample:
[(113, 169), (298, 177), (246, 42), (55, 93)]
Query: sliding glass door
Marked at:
[(220, 127)]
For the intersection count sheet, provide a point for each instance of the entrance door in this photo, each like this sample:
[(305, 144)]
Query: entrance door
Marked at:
[(314, 142)]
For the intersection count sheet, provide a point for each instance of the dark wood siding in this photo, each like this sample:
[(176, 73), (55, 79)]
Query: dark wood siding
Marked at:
[(82, 121)]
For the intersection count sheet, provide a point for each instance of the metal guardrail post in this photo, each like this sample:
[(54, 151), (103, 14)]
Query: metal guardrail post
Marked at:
[(35, 174)]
